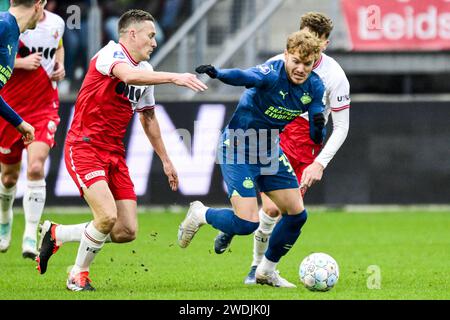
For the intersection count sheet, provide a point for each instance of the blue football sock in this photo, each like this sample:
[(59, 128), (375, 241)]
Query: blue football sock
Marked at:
[(284, 235), (226, 221)]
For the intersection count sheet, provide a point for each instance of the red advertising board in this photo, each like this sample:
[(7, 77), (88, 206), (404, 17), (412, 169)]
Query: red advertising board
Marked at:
[(398, 25)]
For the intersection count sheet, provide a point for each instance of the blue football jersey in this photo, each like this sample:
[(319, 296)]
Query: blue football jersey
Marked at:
[(271, 101), (9, 42)]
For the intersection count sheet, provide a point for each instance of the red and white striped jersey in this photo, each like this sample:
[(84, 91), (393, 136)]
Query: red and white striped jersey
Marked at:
[(105, 104), (32, 92)]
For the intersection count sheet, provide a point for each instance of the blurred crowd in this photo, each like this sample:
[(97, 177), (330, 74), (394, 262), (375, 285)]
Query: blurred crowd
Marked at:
[(169, 15)]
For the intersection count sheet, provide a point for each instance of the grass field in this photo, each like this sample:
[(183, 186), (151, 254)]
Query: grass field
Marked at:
[(412, 250)]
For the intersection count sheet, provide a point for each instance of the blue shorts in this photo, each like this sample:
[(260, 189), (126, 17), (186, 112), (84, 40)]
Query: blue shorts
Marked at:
[(244, 179)]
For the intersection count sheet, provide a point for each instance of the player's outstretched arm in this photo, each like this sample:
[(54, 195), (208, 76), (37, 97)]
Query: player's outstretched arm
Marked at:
[(138, 77), (253, 77), (151, 127)]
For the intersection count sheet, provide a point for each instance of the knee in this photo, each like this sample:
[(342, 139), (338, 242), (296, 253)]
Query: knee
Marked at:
[(124, 235), (272, 211), (9, 180), (35, 170), (106, 223)]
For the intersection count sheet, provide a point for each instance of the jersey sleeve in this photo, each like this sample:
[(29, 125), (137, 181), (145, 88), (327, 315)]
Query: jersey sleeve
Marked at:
[(340, 94), (147, 100), (108, 59), (257, 77), (317, 106), (4, 55)]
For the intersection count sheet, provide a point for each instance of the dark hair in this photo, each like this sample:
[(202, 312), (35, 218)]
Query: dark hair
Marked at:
[(25, 3), (318, 23), (133, 16)]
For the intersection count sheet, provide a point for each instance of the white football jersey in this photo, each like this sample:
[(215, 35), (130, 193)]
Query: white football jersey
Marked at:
[(45, 38)]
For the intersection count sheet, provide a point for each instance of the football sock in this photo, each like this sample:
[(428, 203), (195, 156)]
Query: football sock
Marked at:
[(7, 196), (33, 206), (91, 243), (69, 233), (226, 221), (284, 235), (261, 236)]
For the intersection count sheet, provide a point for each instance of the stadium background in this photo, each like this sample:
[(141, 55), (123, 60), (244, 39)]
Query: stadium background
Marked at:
[(395, 54)]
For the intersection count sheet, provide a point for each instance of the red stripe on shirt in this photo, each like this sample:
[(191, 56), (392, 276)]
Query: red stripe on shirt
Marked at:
[(340, 108)]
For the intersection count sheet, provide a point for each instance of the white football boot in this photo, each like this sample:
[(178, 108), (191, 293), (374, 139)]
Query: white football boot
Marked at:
[(195, 218), (273, 279)]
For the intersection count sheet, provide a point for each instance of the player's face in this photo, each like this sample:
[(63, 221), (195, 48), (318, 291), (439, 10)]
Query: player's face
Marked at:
[(37, 14), (297, 70), (145, 40)]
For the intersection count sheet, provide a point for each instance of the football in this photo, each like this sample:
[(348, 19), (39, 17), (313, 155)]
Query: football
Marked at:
[(319, 272)]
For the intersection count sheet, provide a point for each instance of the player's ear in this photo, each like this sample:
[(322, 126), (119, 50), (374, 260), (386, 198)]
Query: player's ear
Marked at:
[(286, 54)]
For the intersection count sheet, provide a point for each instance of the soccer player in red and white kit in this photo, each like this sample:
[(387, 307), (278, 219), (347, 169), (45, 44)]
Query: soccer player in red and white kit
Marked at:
[(118, 83), (308, 159), (32, 91)]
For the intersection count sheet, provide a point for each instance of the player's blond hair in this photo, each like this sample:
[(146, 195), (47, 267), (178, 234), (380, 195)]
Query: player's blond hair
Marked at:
[(318, 23), (305, 44)]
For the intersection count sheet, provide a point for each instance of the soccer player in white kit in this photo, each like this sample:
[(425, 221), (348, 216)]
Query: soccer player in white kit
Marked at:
[(32, 91), (308, 159), (119, 82)]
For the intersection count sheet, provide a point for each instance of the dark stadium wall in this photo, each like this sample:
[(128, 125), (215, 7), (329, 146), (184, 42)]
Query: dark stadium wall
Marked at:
[(395, 153)]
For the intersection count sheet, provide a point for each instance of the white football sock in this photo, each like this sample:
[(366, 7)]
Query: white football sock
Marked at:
[(69, 233), (33, 206), (72, 233), (261, 236), (266, 266), (91, 243), (7, 196)]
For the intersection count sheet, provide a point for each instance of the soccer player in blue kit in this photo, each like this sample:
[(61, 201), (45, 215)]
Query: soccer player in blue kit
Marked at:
[(250, 156), (23, 15)]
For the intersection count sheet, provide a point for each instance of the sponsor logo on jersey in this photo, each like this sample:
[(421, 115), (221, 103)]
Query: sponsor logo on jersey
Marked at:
[(248, 183), (264, 69), (131, 92), (47, 53), (119, 55), (9, 49), (343, 98), (306, 98), (94, 174), (51, 126), (55, 34)]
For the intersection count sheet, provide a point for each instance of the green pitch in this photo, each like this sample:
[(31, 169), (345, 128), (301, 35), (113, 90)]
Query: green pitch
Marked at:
[(409, 249)]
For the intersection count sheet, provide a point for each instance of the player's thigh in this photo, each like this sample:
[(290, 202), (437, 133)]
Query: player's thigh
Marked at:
[(101, 201), (239, 179), (37, 155), (288, 200), (269, 207)]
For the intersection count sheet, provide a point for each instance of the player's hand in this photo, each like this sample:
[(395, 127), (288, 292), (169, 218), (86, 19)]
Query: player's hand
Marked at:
[(59, 72), (32, 62), (27, 132), (319, 120), (171, 174), (208, 69), (312, 174), (190, 81)]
